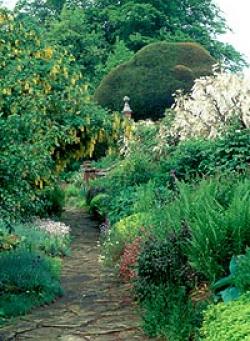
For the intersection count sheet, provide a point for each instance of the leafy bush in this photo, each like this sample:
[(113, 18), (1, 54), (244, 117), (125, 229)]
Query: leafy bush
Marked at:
[(98, 205), (169, 312), (242, 274), (229, 321), (54, 199), (230, 152), (187, 161), (121, 234), (164, 262), (27, 276), (151, 77)]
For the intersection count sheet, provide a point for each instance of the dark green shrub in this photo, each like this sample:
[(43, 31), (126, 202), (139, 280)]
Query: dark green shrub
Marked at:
[(135, 170), (152, 76), (27, 276), (92, 192), (99, 205), (229, 321), (187, 161), (54, 199), (231, 152), (164, 262)]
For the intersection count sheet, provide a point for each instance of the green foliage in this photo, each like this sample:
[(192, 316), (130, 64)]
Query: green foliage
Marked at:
[(138, 23), (231, 292), (188, 204), (99, 205), (169, 312), (118, 56), (196, 158), (231, 152), (242, 273), (73, 31), (217, 213), (169, 21), (122, 233), (152, 76), (227, 321), (46, 117), (188, 160), (238, 281), (40, 10), (54, 199), (164, 262), (129, 172), (27, 276)]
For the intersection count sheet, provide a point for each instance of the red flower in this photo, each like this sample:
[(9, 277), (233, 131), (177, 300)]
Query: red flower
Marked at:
[(129, 259)]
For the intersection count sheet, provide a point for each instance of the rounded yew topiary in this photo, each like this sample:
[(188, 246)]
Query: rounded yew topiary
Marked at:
[(152, 76)]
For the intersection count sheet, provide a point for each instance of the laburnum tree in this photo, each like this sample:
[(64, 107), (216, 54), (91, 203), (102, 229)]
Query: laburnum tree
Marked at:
[(46, 118)]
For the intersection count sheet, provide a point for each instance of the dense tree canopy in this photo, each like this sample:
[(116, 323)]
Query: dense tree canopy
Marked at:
[(139, 22), (86, 43)]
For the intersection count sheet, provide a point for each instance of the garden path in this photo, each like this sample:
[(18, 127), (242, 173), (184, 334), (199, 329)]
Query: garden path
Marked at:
[(95, 307)]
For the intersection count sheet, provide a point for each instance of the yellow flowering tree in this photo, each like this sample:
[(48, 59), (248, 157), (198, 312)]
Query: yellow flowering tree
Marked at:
[(46, 116)]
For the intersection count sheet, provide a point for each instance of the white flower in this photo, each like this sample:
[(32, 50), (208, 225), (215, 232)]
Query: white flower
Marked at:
[(212, 104)]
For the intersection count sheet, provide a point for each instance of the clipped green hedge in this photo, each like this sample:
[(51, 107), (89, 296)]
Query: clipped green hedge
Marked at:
[(229, 321), (152, 76)]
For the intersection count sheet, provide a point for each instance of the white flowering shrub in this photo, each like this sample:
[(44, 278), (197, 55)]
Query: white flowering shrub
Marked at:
[(213, 104)]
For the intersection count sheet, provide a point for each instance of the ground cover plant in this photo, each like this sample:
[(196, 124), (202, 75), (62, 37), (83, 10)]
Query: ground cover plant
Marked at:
[(30, 265), (28, 279), (227, 321)]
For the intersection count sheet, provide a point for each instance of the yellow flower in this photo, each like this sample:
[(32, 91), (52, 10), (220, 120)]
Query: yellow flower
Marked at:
[(48, 52)]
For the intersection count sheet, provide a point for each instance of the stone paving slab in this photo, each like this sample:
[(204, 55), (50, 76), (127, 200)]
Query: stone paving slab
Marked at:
[(95, 306)]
